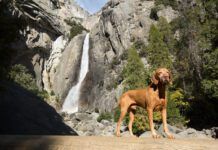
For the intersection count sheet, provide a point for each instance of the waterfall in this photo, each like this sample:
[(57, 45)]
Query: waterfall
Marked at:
[(71, 102)]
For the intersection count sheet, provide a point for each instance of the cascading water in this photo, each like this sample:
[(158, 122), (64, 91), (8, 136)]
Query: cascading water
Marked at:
[(71, 102)]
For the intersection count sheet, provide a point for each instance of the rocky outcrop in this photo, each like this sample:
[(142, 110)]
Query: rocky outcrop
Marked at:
[(86, 124), (168, 13), (53, 61)]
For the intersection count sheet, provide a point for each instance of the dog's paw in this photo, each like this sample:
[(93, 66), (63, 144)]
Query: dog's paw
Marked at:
[(118, 135), (170, 136), (156, 136)]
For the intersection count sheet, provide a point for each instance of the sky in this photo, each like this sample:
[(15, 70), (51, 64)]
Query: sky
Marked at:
[(92, 6)]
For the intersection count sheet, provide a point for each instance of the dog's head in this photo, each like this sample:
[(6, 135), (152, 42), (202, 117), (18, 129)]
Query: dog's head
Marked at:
[(162, 75)]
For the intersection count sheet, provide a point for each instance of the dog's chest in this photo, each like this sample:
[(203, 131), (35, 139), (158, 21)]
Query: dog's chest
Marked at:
[(159, 104)]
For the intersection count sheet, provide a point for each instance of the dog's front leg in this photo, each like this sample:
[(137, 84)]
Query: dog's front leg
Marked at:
[(164, 118), (150, 117)]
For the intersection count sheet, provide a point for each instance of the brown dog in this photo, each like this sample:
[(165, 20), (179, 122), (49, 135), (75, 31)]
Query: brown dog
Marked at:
[(153, 98)]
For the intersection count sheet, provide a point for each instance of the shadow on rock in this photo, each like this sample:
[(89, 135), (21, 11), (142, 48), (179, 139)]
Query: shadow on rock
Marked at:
[(21, 112)]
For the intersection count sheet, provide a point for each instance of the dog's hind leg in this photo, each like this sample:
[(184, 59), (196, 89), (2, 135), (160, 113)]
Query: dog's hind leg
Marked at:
[(124, 105), (122, 115), (131, 119)]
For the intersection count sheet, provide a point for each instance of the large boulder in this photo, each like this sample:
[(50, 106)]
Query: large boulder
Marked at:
[(174, 130)]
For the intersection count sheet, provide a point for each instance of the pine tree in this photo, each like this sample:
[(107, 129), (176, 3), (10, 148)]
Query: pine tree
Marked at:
[(158, 52), (134, 72), (165, 28)]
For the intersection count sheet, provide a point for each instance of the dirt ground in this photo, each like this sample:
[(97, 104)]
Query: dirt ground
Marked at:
[(22, 142)]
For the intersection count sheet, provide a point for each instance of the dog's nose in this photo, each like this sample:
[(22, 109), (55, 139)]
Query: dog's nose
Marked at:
[(166, 78)]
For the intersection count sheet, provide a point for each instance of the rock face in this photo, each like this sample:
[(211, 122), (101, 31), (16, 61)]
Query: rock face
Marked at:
[(42, 39), (120, 24), (86, 124), (57, 48), (168, 13)]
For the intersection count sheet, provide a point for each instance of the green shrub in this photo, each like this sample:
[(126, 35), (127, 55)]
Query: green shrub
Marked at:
[(20, 74), (140, 123), (210, 82), (124, 56), (166, 30), (174, 105), (43, 94), (104, 116), (76, 28), (172, 3)]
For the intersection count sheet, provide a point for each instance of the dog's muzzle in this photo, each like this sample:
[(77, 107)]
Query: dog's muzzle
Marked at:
[(165, 79)]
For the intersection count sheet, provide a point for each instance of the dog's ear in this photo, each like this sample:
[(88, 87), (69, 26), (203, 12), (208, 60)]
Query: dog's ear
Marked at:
[(154, 78)]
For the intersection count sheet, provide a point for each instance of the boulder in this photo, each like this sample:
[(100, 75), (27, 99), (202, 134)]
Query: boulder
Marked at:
[(146, 134), (105, 122), (174, 130), (192, 133), (214, 132), (168, 13)]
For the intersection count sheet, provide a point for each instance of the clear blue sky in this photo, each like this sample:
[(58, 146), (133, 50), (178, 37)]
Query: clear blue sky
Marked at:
[(92, 6)]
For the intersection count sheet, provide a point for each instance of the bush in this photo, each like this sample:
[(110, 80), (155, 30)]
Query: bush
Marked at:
[(104, 116), (76, 28), (140, 123), (174, 105), (210, 82), (19, 74), (172, 3), (124, 56)]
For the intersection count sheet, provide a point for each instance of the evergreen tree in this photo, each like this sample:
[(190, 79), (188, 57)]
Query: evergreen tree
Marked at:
[(134, 72), (158, 52), (165, 28)]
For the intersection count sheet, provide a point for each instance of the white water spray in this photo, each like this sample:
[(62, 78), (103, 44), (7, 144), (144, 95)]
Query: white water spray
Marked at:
[(71, 102)]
